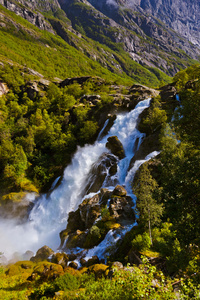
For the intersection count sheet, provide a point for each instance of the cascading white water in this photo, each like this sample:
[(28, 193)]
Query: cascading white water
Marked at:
[(49, 215)]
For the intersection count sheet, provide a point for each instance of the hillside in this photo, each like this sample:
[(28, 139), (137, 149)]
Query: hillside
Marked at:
[(99, 150), (136, 43)]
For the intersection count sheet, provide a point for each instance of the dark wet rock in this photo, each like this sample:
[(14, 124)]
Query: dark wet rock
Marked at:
[(105, 194), (74, 222), (107, 163), (103, 117), (90, 210), (92, 261), (76, 239), (150, 143), (115, 146), (60, 259), (113, 170), (83, 262), (121, 208), (72, 256), (119, 191), (93, 237), (79, 80), (42, 254), (73, 265)]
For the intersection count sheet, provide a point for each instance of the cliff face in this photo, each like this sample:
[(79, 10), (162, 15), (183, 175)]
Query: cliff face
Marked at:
[(183, 16), (144, 36)]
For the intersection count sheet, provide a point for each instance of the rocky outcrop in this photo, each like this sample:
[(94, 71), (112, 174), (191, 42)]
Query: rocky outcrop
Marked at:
[(95, 216), (42, 254), (115, 146), (79, 80), (26, 11), (119, 21), (107, 164), (36, 88), (3, 89)]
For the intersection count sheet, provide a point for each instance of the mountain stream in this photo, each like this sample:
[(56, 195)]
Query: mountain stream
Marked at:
[(50, 212)]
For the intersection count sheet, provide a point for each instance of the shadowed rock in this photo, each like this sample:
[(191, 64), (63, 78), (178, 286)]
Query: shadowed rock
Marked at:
[(115, 146)]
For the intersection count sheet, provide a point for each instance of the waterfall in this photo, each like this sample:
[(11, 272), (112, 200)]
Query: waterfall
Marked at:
[(50, 213)]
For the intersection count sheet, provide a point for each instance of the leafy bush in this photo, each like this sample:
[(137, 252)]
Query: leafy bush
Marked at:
[(141, 242)]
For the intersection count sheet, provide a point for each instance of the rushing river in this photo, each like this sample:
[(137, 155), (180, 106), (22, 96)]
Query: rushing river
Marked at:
[(50, 213)]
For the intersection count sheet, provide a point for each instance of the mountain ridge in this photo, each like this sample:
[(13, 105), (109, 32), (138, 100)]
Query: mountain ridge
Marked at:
[(145, 39)]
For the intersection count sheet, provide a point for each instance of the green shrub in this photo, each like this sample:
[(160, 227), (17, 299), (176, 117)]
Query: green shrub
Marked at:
[(141, 242)]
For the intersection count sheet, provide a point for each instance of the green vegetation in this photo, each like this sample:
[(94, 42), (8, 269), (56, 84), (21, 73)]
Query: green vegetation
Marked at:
[(143, 282), (50, 55), (168, 188), (39, 134), (40, 130)]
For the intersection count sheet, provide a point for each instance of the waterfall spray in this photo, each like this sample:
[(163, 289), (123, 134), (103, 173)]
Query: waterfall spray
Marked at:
[(50, 213)]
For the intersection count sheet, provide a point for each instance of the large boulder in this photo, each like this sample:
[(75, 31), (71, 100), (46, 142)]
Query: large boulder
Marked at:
[(42, 254), (90, 210), (106, 164), (115, 146), (119, 191), (121, 208), (76, 239), (60, 259)]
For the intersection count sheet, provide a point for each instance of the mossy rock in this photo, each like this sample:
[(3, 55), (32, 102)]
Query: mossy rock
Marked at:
[(20, 267), (76, 239), (60, 259), (42, 254), (115, 146), (119, 191), (99, 270), (47, 270), (93, 238)]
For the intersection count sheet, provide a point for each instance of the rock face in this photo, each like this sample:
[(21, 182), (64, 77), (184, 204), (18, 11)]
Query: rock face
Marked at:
[(3, 89), (120, 20), (25, 10), (95, 216), (115, 146), (155, 34), (182, 16), (42, 254)]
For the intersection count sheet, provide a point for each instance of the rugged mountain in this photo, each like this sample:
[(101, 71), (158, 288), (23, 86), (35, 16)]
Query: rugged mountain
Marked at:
[(146, 39), (181, 16), (128, 28)]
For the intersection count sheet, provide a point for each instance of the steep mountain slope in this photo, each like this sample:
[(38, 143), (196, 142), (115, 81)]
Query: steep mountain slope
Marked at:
[(127, 30), (146, 39), (182, 16)]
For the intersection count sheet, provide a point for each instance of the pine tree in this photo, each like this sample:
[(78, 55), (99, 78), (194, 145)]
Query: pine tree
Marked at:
[(149, 210)]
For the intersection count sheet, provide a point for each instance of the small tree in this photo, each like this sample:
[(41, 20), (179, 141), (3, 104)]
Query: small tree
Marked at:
[(149, 210)]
